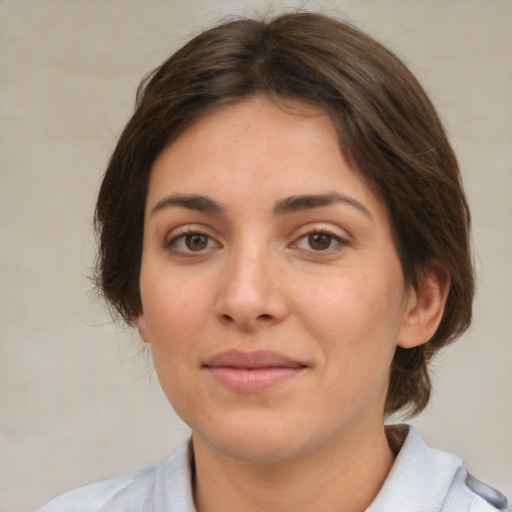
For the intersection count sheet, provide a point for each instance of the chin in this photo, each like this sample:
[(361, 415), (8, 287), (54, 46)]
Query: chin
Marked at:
[(256, 440), (264, 450)]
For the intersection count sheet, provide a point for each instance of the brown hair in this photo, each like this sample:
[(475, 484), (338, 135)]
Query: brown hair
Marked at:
[(386, 124)]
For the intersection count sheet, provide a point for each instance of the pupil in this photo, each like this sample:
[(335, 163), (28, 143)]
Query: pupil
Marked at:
[(196, 242), (319, 241)]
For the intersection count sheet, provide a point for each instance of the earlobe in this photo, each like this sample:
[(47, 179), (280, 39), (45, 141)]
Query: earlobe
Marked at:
[(424, 309), (142, 328)]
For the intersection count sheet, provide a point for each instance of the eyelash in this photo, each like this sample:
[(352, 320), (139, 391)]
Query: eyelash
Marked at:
[(338, 241), (183, 234)]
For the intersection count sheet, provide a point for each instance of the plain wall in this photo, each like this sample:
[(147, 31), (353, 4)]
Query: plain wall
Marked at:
[(78, 400)]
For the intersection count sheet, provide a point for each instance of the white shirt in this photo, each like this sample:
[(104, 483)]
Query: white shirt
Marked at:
[(422, 479)]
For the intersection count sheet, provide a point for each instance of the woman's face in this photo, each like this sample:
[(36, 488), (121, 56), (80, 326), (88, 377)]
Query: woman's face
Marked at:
[(273, 297)]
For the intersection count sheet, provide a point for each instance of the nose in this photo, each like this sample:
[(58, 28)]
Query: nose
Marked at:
[(250, 292)]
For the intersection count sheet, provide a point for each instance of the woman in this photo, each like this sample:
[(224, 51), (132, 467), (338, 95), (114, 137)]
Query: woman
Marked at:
[(283, 220)]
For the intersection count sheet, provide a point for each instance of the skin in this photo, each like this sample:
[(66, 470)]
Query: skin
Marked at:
[(318, 284)]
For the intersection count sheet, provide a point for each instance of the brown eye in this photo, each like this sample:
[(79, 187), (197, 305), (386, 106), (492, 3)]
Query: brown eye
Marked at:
[(191, 243), (196, 242), (319, 241)]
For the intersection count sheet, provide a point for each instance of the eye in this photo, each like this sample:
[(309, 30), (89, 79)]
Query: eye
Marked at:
[(319, 241), (190, 243), (195, 242)]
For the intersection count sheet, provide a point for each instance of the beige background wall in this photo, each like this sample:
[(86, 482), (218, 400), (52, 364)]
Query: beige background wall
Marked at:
[(77, 401)]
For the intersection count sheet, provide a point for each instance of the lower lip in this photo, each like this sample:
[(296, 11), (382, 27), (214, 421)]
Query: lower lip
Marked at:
[(243, 380)]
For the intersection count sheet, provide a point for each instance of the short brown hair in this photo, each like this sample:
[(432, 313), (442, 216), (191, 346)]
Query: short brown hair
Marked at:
[(386, 124)]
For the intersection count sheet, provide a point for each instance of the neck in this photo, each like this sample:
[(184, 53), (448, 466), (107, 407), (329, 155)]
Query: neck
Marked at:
[(344, 475)]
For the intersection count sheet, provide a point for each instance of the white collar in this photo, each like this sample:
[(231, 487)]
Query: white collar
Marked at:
[(418, 481)]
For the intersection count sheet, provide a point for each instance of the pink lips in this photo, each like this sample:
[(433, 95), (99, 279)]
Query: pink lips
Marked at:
[(250, 372)]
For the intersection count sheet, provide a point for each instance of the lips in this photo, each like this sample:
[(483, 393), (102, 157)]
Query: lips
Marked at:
[(252, 372)]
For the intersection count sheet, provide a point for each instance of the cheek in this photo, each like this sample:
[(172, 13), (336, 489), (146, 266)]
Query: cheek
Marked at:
[(171, 303), (358, 314), (175, 318)]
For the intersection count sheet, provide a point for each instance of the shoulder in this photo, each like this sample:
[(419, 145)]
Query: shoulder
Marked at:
[(111, 494), (425, 479), (142, 490), (470, 494)]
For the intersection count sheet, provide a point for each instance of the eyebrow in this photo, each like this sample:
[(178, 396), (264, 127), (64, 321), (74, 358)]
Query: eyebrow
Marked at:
[(308, 201), (290, 204), (191, 202)]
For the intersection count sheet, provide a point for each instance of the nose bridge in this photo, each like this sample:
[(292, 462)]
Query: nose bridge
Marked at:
[(250, 293)]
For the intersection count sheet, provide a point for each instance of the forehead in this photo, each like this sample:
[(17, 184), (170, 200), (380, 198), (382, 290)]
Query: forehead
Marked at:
[(259, 149), (257, 119)]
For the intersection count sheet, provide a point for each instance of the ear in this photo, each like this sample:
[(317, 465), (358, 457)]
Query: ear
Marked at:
[(424, 309), (142, 327)]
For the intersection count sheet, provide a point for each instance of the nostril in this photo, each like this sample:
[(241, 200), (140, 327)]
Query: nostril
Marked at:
[(265, 317)]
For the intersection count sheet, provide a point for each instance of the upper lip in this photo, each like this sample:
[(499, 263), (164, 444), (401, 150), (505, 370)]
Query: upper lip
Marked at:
[(257, 359)]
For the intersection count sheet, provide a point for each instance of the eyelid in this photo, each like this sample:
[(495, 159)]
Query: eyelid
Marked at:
[(182, 231), (343, 239)]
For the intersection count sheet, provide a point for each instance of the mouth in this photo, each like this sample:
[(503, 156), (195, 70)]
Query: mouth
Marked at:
[(252, 372)]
